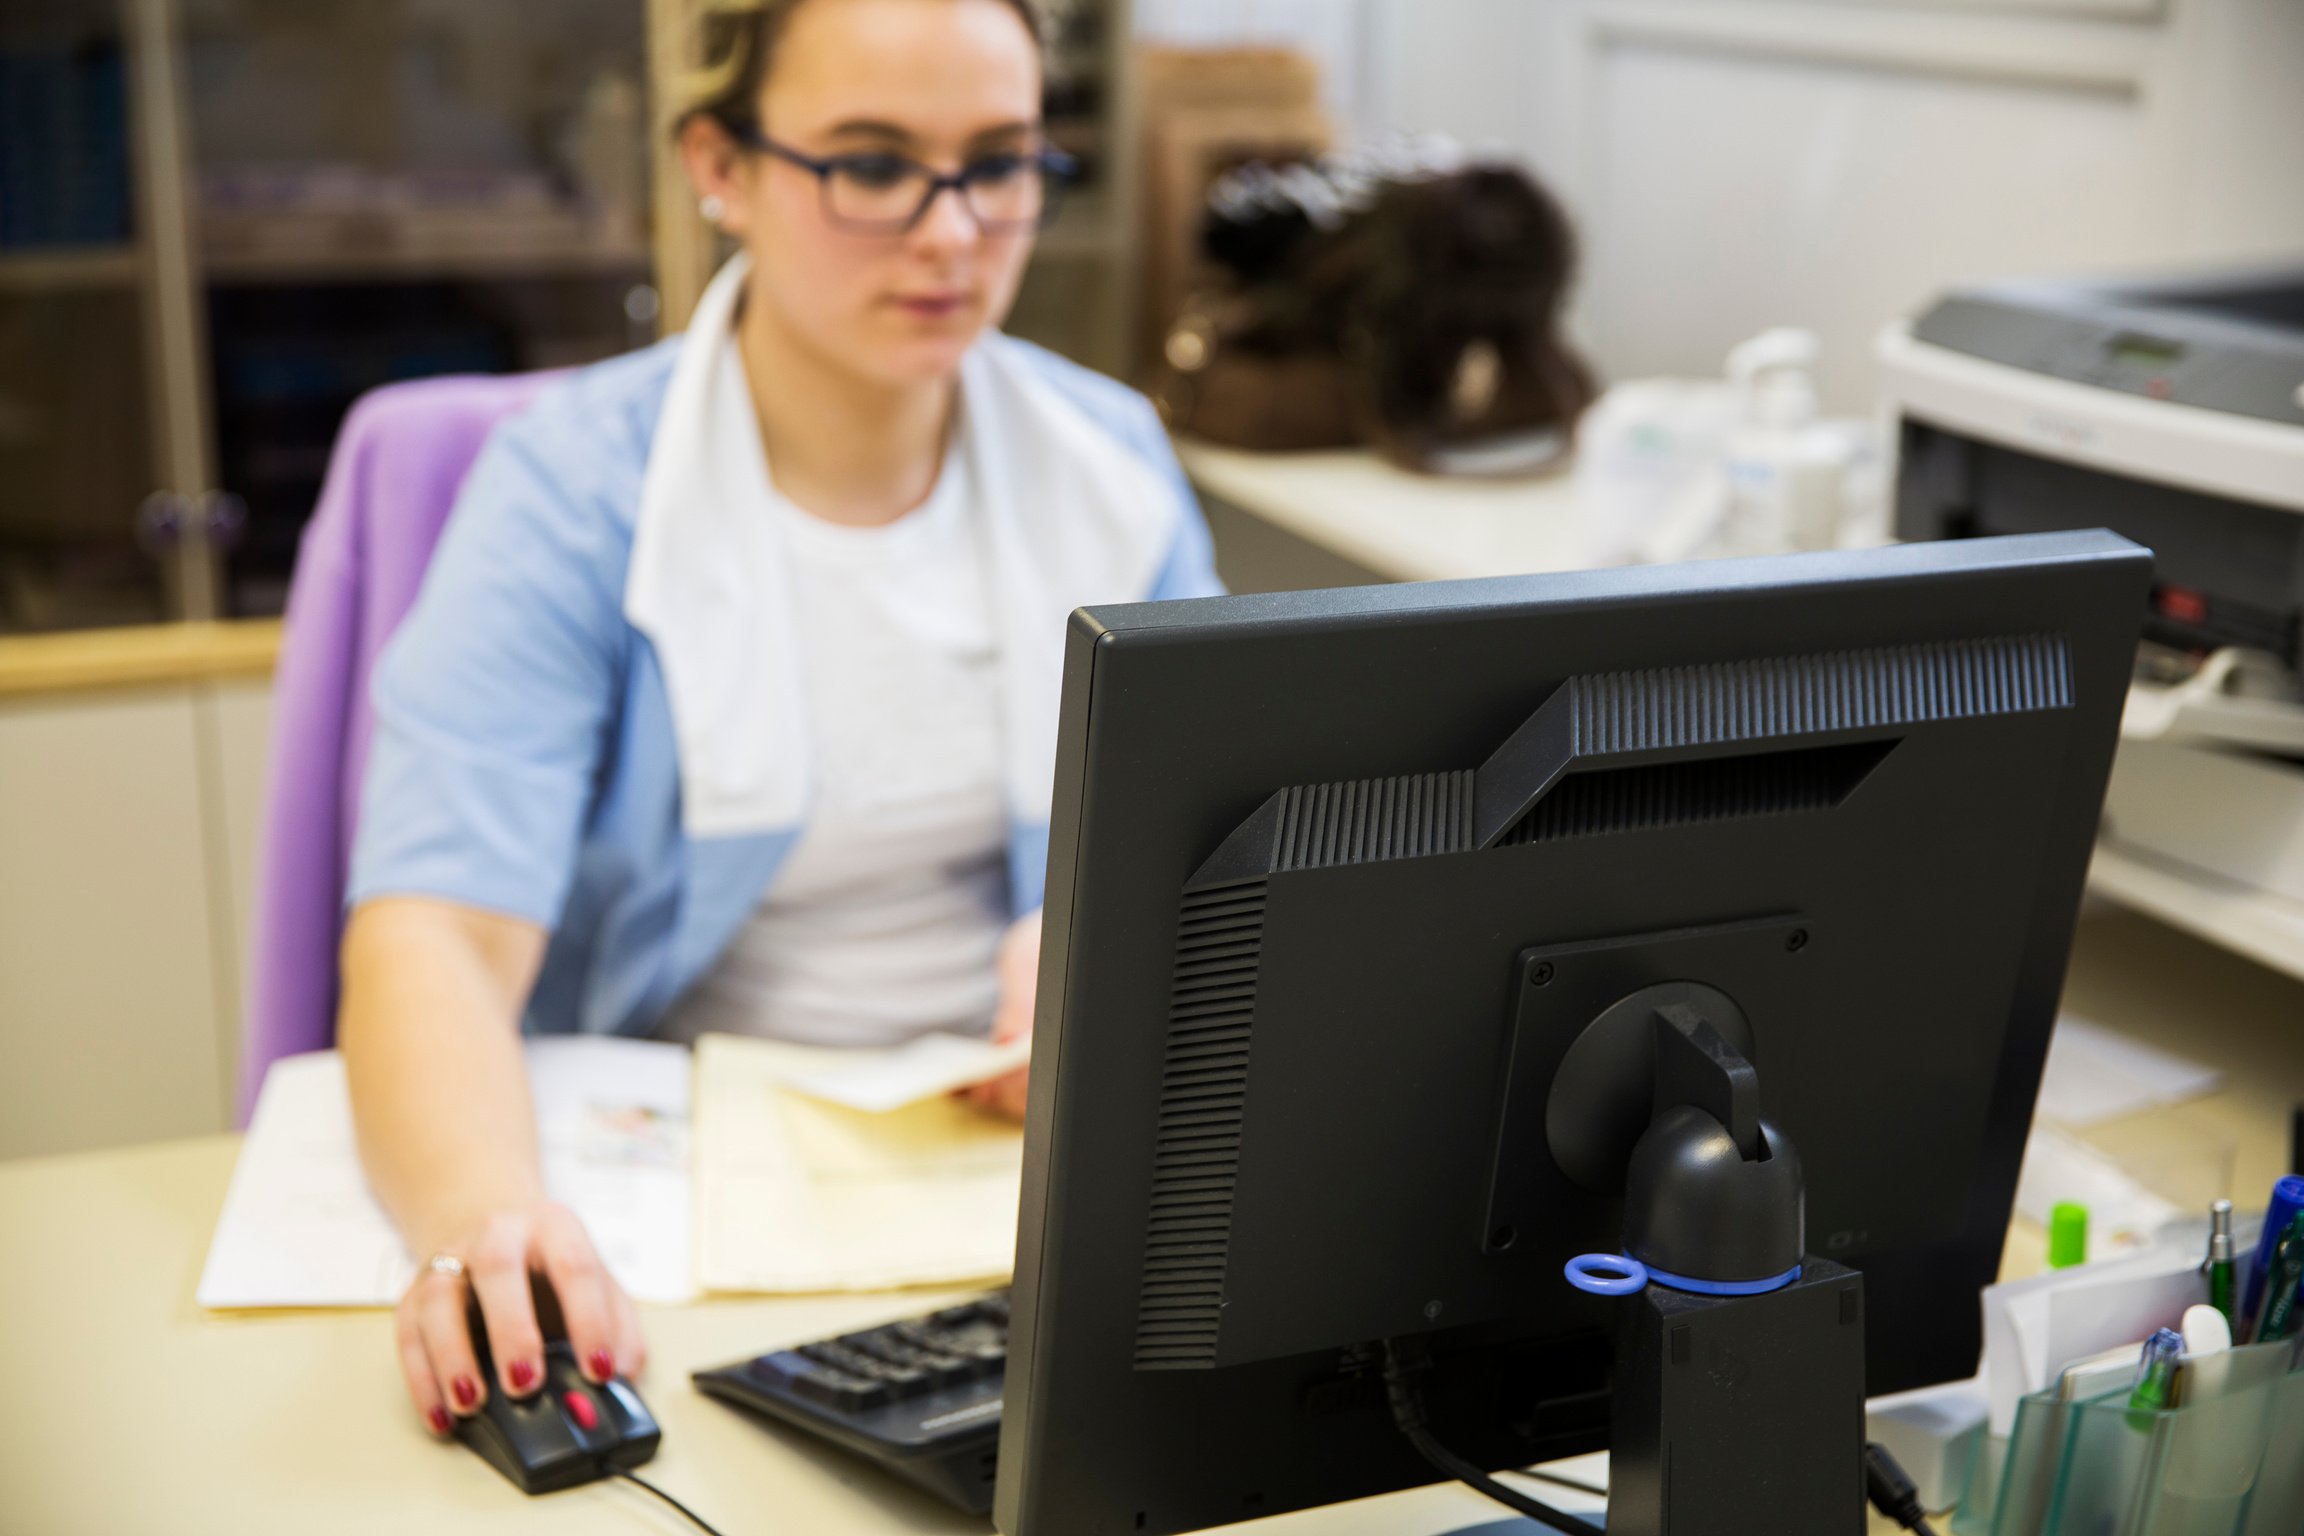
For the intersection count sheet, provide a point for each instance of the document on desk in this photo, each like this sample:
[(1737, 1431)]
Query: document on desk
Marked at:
[(795, 1192), (300, 1228), (928, 1068), (2095, 1074)]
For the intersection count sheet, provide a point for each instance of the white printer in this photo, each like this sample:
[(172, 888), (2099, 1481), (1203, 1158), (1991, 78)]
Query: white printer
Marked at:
[(2173, 413)]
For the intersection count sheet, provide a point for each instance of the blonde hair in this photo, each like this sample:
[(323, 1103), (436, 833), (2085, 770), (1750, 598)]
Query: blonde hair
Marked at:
[(738, 44)]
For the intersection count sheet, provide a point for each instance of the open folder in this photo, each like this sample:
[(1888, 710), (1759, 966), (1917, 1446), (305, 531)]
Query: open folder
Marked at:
[(798, 1192), (746, 1167)]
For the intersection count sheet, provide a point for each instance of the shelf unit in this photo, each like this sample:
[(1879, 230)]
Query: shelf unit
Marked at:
[(69, 268), (2265, 928), (218, 359), (416, 261), (271, 243)]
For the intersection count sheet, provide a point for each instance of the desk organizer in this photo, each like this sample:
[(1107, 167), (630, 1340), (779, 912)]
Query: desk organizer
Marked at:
[(2228, 1463)]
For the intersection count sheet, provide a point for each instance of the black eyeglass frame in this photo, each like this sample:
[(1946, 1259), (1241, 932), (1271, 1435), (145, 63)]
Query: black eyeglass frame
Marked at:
[(1057, 171)]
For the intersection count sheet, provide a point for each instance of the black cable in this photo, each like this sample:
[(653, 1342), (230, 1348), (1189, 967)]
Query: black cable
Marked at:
[(1408, 1414), (1595, 1489), (702, 1524), (1892, 1490)]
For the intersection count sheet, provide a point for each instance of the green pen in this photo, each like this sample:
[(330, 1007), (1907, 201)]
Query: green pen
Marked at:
[(2219, 1265), (2280, 1318), (2155, 1375)]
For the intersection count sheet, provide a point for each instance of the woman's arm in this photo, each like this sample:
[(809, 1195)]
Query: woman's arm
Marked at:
[(1019, 963), (430, 1033), (429, 1029)]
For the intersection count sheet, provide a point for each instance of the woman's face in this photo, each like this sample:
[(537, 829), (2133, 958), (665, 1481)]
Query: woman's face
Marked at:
[(946, 83)]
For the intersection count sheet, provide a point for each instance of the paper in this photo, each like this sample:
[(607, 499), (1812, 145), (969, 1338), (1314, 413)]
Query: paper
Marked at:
[(300, 1229), (929, 1067), (612, 1119), (797, 1194), (2093, 1075)]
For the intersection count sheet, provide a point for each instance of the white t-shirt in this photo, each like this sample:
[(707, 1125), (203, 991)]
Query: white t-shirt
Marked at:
[(884, 921)]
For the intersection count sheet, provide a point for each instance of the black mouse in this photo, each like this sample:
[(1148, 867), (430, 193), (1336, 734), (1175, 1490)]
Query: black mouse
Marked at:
[(570, 1430)]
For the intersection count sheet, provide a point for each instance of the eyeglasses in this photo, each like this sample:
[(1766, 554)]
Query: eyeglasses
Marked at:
[(879, 193)]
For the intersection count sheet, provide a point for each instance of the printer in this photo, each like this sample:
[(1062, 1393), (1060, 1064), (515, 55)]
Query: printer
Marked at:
[(2171, 411)]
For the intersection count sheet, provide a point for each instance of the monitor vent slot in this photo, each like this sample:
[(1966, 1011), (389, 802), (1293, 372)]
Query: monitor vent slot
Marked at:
[(1357, 822), (1196, 1143), (1671, 707), (1659, 795)]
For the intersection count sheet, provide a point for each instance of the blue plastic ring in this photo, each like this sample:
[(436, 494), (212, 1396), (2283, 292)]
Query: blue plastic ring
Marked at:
[(1607, 1274), (1724, 1287)]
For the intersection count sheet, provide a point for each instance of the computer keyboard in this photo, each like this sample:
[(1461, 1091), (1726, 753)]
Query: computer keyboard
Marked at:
[(921, 1397)]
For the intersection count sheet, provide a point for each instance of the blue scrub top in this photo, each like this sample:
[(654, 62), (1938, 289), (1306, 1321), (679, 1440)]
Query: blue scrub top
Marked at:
[(524, 758)]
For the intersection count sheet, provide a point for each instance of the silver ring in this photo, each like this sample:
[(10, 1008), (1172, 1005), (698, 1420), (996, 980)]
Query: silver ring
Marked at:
[(446, 1264)]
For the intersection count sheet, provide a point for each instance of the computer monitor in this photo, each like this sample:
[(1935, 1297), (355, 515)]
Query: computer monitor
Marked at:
[(1341, 885)]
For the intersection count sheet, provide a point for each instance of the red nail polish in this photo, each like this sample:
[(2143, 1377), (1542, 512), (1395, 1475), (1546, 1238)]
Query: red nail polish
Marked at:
[(523, 1375), (603, 1364), (465, 1391), (439, 1418)]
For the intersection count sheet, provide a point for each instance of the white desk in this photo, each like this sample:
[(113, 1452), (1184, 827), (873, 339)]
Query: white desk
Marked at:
[(1381, 521), (128, 1411), (2245, 920)]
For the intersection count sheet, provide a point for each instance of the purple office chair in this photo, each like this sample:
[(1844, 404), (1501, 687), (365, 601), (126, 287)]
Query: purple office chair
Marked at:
[(398, 462)]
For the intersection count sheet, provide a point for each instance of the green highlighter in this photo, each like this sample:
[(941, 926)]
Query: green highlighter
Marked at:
[(2067, 1235), (2281, 1303)]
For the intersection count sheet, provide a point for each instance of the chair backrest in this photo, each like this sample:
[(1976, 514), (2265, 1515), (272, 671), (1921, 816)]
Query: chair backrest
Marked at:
[(399, 461)]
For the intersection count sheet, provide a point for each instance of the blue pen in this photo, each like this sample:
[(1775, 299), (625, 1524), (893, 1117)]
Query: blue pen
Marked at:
[(2281, 1314), (2287, 1200)]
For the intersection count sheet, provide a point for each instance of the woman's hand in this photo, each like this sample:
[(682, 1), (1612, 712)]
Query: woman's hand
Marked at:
[(1019, 965), (500, 1253)]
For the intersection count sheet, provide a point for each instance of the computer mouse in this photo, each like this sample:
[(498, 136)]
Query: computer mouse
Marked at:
[(569, 1430)]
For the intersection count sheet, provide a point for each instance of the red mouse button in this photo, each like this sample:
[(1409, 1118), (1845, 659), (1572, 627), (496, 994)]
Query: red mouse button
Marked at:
[(581, 1409)]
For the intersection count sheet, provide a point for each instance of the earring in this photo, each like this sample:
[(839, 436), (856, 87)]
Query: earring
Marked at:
[(712, 208)]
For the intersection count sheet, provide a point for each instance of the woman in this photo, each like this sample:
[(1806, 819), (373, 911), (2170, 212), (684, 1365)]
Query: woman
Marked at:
[(729, 701)]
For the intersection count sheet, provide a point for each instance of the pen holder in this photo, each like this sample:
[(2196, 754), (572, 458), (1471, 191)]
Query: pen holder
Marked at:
[(2227, 1460)]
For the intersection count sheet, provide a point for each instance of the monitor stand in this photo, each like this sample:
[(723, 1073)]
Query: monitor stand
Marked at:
[(1745, 1399), (1738, 1403)]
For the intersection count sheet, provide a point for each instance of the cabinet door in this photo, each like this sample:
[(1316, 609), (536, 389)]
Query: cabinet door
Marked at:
[(111, 1027), (236, 733), (80, 448), (381, 192)]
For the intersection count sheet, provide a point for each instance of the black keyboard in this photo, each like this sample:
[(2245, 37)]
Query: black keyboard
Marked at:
[(920, 1397)]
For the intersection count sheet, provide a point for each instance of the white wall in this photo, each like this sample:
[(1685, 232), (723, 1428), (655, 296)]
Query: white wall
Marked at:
[(1736, 164)]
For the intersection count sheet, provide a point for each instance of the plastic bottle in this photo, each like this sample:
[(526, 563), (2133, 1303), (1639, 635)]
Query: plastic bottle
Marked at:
[(1648, 468), (1786, 471)]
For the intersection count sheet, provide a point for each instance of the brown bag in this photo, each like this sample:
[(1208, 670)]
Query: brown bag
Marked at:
[(1216, 388), (1422, 324)]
